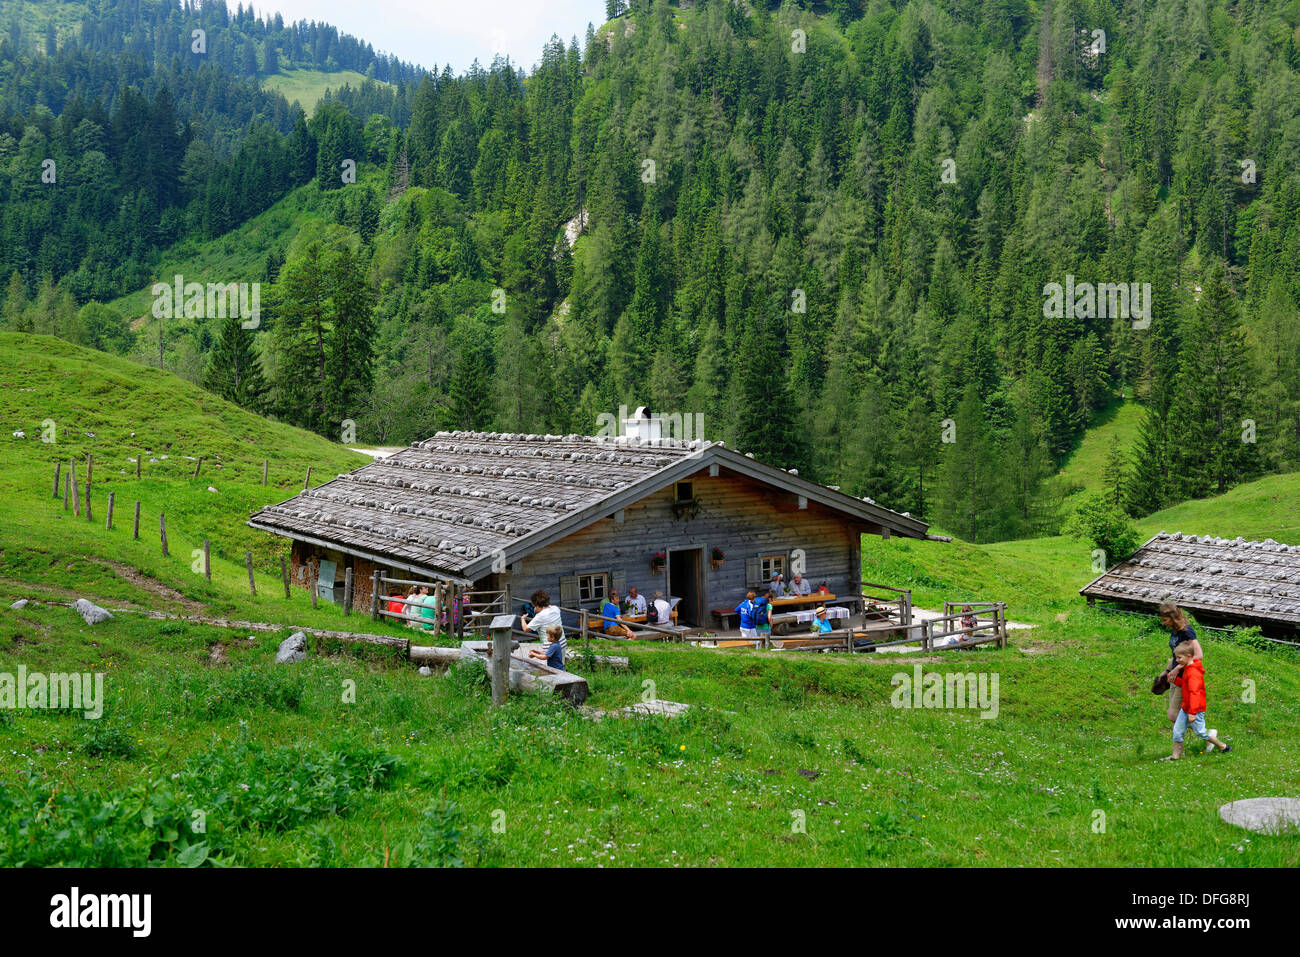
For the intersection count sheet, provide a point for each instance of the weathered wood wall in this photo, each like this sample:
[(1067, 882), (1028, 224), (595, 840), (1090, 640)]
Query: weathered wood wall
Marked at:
[(736, 515)]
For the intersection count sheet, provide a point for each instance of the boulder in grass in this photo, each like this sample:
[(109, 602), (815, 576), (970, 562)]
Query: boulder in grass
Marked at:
[(1267, 815), (91, 612), (19, 605), (426, 670), (293, 649)]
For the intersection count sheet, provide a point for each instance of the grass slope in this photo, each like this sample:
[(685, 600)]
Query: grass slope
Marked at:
[(1081, 474), (308, 87), (354, 759)]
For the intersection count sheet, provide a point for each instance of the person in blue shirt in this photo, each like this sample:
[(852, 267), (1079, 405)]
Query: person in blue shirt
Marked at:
[(746, 612), (821, 623), (609, 617)]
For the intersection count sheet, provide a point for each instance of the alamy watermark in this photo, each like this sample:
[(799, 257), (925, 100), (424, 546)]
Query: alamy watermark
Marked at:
[(74, 691), (194, 300), (976, 691), (1106, 300)]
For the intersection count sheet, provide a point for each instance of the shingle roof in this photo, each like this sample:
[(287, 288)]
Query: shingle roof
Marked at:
[(1229, 577), (453, 502)]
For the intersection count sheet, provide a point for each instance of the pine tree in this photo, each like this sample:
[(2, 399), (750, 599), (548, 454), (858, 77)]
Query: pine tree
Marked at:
[(972, 497), (234, 371), (1211, 443)]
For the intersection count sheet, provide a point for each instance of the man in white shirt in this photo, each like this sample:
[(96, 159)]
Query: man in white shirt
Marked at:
[(635, 602), (663, 610), (800, 585)]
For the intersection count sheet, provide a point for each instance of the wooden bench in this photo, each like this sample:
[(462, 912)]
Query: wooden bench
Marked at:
[(722, 614)]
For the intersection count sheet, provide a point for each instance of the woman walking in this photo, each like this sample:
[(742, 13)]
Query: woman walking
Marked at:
[(1180, 630)]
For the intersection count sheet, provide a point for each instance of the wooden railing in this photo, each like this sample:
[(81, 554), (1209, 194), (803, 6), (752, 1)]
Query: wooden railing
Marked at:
[(458, 608), (894, 605)]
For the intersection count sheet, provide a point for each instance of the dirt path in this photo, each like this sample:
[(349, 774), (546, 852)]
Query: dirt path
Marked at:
[(152, 585)]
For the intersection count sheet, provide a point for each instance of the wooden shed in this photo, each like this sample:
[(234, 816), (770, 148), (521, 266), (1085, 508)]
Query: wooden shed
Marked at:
[(579, 516), (1229, 581)]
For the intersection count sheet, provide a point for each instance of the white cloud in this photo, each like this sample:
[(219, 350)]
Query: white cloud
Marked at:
[(441, 32)]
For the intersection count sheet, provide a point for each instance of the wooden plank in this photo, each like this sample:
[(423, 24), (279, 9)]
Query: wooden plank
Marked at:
[(265, 464), (58, 469)]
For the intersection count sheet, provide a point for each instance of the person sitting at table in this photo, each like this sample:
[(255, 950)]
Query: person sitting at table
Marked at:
[(800, 585), (635, 602), (612, 626), (663, 610), (821, 623), (745, 610), (822, 589)]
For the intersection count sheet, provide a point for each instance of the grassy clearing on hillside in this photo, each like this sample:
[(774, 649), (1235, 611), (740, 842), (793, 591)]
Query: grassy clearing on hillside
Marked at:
[(1081, 475), (238, 256), (308, 87)]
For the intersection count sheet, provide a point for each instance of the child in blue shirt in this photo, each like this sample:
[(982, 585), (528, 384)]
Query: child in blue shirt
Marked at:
[(555, 645)]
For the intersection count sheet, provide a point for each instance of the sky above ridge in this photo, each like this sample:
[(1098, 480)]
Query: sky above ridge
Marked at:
[(441, 32)]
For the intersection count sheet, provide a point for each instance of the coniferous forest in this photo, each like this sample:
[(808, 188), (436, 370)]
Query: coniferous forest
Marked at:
[(912, 249)]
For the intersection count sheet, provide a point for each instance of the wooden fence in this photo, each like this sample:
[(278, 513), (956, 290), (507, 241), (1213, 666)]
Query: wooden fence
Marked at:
[(457, 609)]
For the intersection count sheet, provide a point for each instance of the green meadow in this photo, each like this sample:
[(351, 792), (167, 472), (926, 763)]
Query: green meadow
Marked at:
[(208, 753)]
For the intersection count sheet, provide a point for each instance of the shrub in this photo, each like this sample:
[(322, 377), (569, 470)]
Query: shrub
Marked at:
[(1105, 526)]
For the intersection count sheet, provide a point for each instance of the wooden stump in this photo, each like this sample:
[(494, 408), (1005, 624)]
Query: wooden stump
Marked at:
[(248, 562), (198, 465)]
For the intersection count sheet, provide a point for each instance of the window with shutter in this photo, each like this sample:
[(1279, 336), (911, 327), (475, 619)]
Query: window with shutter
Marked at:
[(618, 580), (753, 572)]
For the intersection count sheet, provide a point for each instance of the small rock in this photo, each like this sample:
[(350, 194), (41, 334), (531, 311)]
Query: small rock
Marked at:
[(91, 612), (19, 605), (810, 775), (211, 489), (293, 649), (426, 670), (20, 435)]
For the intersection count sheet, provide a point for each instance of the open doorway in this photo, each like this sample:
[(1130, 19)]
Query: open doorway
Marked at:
[(684, 582)]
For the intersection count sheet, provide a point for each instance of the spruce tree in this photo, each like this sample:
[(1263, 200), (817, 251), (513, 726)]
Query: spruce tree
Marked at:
[(234, 371)]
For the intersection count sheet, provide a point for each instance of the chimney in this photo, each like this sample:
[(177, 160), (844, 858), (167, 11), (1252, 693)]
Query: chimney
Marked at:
[(641, 425)]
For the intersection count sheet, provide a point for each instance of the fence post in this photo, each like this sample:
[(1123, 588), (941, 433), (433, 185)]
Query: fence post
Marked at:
[(265, 463), (248, 561), (586, 636), (162, 531), (925, 635), (67, 485), (284, 575), (207, 561), (500, 661), (135, 528), (1001, 623), (374, 596), (138, 457), (198, 465), (307, 480), (76, 495), (347, 591), (90, 467), (108, 523), (58, 474)]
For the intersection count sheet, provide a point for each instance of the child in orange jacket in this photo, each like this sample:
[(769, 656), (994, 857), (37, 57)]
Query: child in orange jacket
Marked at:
[(1190, 676)]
